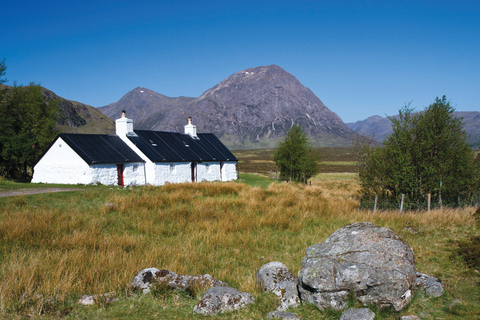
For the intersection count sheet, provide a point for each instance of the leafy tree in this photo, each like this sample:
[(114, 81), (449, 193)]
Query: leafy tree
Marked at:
[(27, 126), (295, 157), (426, 153)]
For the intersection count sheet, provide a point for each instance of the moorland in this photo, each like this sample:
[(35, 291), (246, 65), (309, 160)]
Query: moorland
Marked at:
[(56, 247)]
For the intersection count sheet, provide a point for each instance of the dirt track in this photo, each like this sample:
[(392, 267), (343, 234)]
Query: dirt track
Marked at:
[(22, 192)]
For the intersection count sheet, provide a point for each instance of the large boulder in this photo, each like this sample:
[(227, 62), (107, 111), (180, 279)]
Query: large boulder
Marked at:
[(370, 261), (149, 277), (220, 299)]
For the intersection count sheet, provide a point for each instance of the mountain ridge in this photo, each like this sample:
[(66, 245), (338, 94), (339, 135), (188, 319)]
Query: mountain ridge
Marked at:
[(252, 108)]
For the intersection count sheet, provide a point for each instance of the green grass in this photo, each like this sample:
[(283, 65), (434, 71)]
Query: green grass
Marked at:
[(254, 180)]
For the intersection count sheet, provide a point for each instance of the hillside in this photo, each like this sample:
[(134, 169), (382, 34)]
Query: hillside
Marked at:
[(378, 128), (76, 117), (252, 108)]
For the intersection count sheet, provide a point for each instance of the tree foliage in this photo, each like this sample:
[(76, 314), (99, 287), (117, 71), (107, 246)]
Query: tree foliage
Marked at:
[(295, 157), (3, 67), (426, 153), (27, 126)]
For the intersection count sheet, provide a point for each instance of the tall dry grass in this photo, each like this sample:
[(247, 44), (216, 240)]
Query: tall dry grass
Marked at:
[(58, 247)]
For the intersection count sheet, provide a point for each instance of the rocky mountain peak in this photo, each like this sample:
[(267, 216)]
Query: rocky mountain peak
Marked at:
[(252, 108)]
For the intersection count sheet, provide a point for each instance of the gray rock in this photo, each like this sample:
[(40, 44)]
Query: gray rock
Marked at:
[(370, 261), (270, 274), (111, 206), (149, 277), (358, 314), (287, 292), (410, 317), (276, 277), (104, 298), (282, 315), (220, 299), (430, 285), (454, 302)]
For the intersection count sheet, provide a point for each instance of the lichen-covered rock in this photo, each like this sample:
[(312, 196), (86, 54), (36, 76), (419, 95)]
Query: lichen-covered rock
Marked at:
[(430, 285), (270, 274), (282, 315), (220, 299), (149, 277), (370, 261), (287, 292), (358, 314), (276, 277)]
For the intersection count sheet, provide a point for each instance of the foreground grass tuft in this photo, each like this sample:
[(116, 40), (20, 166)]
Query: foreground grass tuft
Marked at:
[(56, 247)]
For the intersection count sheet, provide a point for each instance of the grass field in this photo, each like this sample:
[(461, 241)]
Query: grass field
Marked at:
[(56, 247), (331, 160)]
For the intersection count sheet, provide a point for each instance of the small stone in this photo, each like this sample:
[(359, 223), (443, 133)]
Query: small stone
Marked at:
[(287, 291), (454, 302), (110, 206), (409, 317), (358, 314), (432, 286), (272, 273), (220, 299), (282, 315), (86, 300), (410, 229)]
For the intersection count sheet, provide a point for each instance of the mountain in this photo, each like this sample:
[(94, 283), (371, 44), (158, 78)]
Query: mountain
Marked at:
[(378, 128), (252, 108)]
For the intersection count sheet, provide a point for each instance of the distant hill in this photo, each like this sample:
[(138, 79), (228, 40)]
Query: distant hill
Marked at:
[(76, 117), (252, 108), (378, 128)]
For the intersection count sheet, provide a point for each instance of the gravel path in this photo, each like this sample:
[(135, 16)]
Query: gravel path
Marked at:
[(21, 192)]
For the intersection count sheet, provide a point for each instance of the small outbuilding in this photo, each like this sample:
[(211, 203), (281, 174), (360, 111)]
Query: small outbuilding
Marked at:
[(136, 157)]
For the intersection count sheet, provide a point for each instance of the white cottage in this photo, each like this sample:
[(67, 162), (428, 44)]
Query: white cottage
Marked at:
[(136, 157)]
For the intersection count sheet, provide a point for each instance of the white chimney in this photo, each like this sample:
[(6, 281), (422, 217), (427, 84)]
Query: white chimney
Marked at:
[(124, 126), (191, 129)]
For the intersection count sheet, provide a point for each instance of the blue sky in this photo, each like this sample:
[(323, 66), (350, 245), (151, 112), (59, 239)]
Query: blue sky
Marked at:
[(361, 58)]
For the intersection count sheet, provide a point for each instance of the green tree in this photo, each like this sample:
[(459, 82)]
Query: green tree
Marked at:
[(426, 153), (27, 124), (3, 67), (295, 157)]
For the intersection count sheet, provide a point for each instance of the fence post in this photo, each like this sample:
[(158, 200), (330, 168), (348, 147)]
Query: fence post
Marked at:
[(375, 204), (429, 197), (401, 203)]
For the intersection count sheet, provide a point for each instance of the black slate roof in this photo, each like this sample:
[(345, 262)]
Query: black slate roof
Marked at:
[(161, 146), (100, 148)]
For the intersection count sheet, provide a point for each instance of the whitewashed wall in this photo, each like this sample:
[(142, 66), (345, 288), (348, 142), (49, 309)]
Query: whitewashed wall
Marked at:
[(61, 164), (208, 171), (229, 171), (107, 174), (172, 172), (134, 174)]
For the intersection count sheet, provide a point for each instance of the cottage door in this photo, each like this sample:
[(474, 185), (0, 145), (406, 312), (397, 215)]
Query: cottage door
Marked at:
[(120, 174), (194, 171)]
